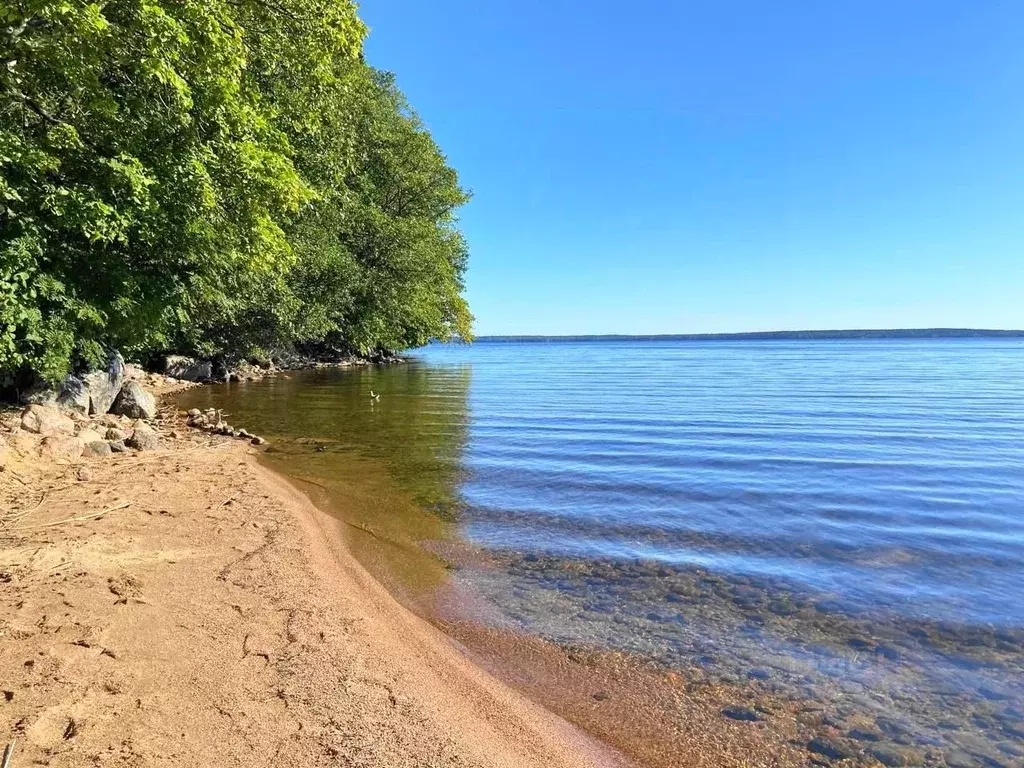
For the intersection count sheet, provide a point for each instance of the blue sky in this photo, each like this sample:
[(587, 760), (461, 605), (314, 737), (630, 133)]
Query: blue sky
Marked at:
[(726, 165)]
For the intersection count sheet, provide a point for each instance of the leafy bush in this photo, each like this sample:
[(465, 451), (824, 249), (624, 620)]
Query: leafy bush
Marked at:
[(216, 177)]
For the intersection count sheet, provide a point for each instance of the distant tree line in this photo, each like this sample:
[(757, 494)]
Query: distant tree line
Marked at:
[(215, 177), (894, 333)]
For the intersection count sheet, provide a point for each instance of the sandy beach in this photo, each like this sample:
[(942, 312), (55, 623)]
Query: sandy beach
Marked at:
[(186, 606)]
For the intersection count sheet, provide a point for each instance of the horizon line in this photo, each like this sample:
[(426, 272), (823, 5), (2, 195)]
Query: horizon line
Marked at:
[(833, 334)]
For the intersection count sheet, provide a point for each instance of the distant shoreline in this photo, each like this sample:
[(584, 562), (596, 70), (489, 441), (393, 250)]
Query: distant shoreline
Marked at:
[(906, 333)]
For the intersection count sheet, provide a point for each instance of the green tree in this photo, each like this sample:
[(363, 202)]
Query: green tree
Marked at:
[(213, 176), (387, 272)]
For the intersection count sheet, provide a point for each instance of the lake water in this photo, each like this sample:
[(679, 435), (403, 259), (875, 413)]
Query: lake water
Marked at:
[(835, 522)]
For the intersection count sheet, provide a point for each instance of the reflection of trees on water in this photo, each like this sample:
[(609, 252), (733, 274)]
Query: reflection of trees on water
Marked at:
[(419, 428)]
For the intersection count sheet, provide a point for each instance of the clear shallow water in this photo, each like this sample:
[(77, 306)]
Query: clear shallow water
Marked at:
[(833, 530), (892, 472)]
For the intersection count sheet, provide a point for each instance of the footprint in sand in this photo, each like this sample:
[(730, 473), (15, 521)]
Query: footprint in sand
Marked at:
[(126, 587)]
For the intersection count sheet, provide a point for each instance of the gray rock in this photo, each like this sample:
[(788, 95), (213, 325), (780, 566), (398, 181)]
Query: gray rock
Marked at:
[(98, 449), (957, 758), (741, 713), (73, 396), (891, 755), (134, 402), (188, 368), (115, 433), (143, 439), (830, 748), (104, 386), (118, 446), (39, 394), (46, 420)]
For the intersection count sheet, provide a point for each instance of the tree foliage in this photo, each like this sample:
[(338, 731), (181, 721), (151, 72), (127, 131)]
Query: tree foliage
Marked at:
[(213, 176)]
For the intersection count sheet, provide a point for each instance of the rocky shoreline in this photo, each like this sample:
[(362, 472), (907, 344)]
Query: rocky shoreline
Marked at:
[(111, 411)]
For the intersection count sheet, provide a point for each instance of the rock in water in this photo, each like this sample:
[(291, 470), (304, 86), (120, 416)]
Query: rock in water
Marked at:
[(134, 402), (828, 747), (143, 439), (104, 386), (187, 368), (46, 420)]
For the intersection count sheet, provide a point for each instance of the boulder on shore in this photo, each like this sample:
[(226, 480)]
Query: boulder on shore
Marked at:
[(38, 394), (90, 393), (46, 420), (187, 368), (89, 435), (73, 396), (103, 386), (60, 447), (134, 402), (143, 438), (97, 449)]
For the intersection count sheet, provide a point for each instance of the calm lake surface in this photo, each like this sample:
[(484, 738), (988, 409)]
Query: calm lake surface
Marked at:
[(831, 521)]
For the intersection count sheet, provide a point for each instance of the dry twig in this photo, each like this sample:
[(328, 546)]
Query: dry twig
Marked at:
[(79, 518)]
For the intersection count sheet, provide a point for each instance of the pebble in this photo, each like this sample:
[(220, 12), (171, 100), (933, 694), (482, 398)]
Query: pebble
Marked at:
[(830, 748), (896, 756), (890, 653), (864, 735), (1010, 748), (957, 758), (745, 714), (993, 694)]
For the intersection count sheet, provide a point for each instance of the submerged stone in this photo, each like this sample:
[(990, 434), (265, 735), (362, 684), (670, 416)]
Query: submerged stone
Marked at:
[(830, 748), (745, 714)]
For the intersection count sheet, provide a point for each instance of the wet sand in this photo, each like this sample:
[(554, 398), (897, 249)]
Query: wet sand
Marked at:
[(189, 607), (659, 717)]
